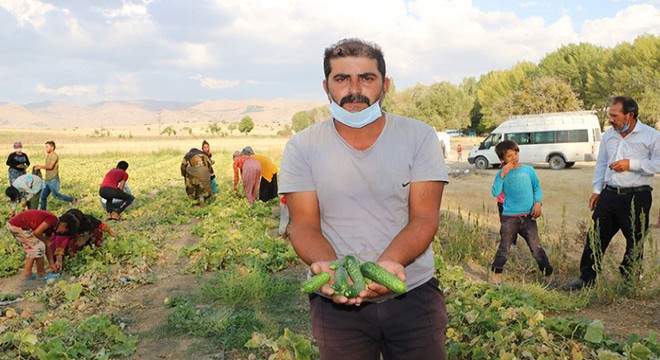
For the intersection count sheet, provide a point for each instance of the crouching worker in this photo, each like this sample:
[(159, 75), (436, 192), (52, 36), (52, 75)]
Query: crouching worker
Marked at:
[(24, 191), (31, 228), (89, 232)]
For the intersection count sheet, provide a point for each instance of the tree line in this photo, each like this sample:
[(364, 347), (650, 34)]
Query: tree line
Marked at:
[(574, 77)]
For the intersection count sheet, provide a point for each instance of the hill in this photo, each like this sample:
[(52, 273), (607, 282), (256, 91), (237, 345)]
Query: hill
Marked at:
[(59, 116)]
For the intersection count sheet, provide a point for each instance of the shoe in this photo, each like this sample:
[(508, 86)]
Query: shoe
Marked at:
[(50, 276), (31, 277), (550, 283), (74, 202), (576, 284)]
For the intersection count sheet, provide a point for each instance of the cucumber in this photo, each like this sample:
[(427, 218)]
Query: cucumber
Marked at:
[(378, 274), (315, 282), (353, 268), (341, 280), (337, 263), (354, 290)]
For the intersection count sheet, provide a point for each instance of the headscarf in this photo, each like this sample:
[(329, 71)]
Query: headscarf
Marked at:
[(247, 151)]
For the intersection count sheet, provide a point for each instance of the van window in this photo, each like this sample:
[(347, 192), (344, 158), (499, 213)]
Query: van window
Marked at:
[(597, 134), (544, 137), (572, 136), (491, 140), (520, 138)]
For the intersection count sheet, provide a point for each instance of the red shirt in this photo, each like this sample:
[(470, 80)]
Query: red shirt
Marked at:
[(113, 177), (31, 219)]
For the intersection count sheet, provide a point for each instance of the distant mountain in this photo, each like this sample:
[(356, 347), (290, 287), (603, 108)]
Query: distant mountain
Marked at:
[(59, 115)]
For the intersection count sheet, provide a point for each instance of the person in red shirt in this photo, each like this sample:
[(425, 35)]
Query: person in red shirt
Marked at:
[(112, 187), (32, 229)]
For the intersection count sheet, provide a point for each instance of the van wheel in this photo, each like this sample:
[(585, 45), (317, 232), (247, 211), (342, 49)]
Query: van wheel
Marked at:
[(481, 163), (570, 164), (557, 162)]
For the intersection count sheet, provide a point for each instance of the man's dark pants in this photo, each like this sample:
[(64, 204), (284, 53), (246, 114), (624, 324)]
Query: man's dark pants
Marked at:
[(410, 326), (613, 213)]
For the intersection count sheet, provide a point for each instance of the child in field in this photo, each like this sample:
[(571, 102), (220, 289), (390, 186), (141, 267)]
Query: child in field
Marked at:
[(522, 206)]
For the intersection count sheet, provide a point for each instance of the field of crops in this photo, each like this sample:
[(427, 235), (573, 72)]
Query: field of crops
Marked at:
[(217, 282)]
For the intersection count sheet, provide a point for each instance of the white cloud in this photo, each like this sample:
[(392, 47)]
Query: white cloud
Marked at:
[(194, 56), (30, 12), (69, 91), (212, 83), (624, 26)]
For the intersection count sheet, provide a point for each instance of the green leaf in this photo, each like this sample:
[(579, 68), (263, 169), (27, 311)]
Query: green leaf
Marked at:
[(73, 291), (595, 332)]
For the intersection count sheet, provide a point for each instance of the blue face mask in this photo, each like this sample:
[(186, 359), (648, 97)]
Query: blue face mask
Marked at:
[(624, 128), (358, 119)]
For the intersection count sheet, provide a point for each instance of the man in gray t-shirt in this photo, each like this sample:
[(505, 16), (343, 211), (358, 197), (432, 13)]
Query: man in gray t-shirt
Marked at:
[(368, 183)]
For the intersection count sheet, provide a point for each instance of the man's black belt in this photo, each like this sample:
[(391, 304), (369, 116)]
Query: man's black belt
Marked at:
[(628, 190)]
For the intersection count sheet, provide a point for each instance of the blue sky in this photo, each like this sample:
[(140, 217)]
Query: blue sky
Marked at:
[(103, 50)]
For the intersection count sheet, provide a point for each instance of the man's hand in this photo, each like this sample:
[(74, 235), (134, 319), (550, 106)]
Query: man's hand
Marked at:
[(593, 200), (620, 165), (375, 289), (536, 210)]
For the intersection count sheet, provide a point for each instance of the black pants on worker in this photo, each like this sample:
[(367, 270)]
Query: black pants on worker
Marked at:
[(110, 194), (268, 189), (409, 326), (526, 226), (617, 210)]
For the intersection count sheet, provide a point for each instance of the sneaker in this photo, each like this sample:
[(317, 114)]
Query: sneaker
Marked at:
[(50, 276), (575, 284)]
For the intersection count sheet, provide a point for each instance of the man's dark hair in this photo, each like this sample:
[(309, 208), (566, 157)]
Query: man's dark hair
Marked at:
[(628, 105), (122, 165), (204, 142), (353, 48), (13, 193), (504, 146), (51, 143)]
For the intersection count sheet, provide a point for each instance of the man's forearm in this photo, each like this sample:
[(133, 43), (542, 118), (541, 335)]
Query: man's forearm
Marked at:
[(310, 245), (412, 241)]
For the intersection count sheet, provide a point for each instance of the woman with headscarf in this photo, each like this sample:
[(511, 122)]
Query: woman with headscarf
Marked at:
[(268, 184), (17, 161), (196, 170), (250, 170)]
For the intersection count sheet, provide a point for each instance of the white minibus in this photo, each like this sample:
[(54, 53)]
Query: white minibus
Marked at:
[(560, 139)]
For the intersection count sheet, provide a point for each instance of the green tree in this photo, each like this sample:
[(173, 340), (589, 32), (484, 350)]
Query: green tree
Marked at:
[(634, 70), (246, 125), (168, 131), (578, 65), (231, 127), (496, 92), (545, 94), (301, 120), (214, 128), (441, 105)]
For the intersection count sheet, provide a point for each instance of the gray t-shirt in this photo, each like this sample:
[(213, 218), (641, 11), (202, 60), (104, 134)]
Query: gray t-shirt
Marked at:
[(363, 195)]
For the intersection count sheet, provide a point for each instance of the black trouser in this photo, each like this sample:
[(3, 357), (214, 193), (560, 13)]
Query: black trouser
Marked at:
[(268, 190), (410, 326), (110, 194), (613, 213), (526, 226)]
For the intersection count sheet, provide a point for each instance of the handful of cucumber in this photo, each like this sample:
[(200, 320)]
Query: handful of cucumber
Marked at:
[(349, 266)]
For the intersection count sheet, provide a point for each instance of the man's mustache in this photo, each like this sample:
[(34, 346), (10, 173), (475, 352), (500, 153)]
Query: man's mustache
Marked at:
[(354, 99)]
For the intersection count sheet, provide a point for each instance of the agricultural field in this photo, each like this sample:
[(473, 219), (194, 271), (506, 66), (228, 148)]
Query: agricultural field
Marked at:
[(217, 282)]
